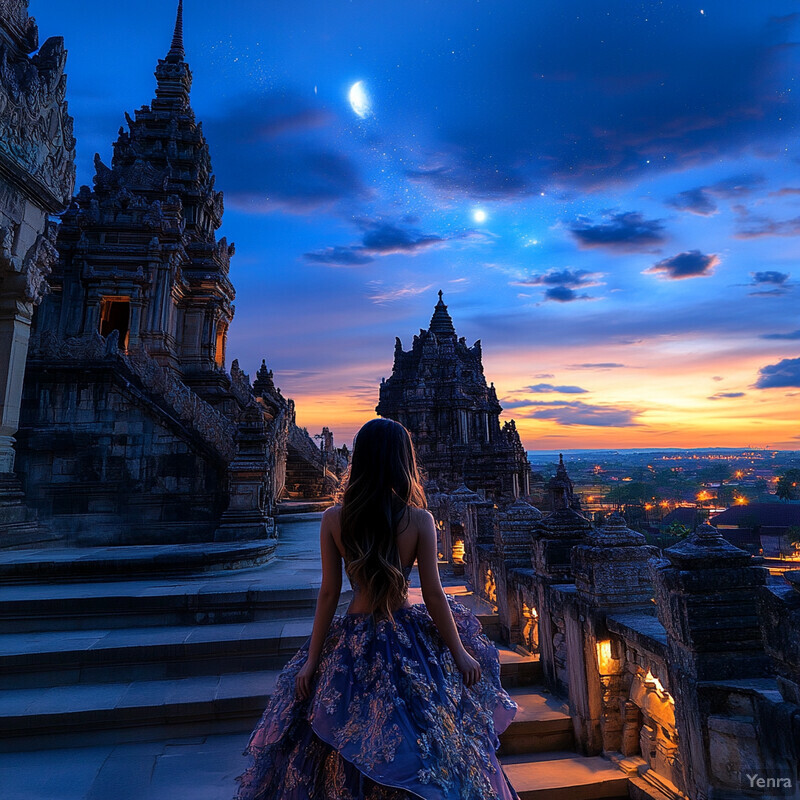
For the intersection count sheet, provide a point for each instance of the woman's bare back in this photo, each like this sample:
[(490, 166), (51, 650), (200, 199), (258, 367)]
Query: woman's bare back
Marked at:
[(407, 542)]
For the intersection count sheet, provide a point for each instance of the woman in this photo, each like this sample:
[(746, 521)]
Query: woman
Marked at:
[(390, 701)]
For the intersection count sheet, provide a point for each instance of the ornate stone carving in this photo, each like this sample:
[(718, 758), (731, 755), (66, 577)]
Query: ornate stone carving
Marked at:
[(37, 145), (38, 264), (8, 261), (14, 13), (240, 384)]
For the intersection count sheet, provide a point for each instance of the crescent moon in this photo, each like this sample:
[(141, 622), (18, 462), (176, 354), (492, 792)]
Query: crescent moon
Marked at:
[(359, 100)]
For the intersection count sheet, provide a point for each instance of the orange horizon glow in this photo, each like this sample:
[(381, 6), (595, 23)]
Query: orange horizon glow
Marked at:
[(667, 385)]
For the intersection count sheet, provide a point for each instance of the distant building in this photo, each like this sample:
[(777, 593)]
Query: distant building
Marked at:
[(765, 525), (438, 391), (560, 491), (688, 516)]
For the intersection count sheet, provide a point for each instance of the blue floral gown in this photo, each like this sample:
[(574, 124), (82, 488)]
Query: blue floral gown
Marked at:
[(389, 717)]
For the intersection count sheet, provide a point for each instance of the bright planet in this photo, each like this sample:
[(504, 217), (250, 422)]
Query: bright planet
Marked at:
[(479, 215), (359, 100)]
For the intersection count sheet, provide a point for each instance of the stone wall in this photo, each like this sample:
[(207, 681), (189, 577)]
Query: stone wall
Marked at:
[(37, 176), (681, 666), (106, 459)]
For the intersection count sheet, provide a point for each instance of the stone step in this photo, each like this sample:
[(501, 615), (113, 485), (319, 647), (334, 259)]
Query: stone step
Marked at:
[(517, 670), (113, 563), (542, 723), (31, 660), (302, 509), (565, 776), (485, 612), (247, 596), (135, 710), (74, 716)]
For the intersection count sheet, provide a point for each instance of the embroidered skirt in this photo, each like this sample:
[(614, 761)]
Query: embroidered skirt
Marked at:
[(389, 718)]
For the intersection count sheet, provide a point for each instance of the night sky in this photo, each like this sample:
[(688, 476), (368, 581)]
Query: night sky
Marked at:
[(608, 193)]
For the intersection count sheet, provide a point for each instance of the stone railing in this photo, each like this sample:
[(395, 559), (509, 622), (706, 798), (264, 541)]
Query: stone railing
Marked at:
[(681, 666), (157, 382)]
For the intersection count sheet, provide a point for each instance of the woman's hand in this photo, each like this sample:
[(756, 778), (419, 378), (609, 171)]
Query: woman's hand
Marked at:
[(469, 668), (303, 680)]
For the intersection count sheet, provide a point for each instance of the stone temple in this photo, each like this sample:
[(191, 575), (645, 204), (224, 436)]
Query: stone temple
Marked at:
[(439, 392), (133, 431)]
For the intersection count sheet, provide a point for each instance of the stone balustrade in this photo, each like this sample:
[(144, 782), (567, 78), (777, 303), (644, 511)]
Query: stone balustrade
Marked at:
[(683, 666)]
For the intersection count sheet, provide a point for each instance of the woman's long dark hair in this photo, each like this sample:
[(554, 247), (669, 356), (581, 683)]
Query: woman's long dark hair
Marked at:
[(383, 485)]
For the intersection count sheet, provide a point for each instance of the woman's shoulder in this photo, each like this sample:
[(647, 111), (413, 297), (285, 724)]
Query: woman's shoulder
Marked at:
[(420, 517), (332, 513)]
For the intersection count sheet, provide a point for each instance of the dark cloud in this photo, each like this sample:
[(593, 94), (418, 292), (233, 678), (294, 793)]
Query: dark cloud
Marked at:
[(726, 395), (272, 152), (563, 294), (794, 335), (378, 239), (298, 374), (691, 264), (785, 373), (752, 226), (542, 388), (579, 413), (354, 256), (698, 201), (702, 200), (626, 231), (600, 365), (457, 175), (616, 94), (564, 277), (384, 239), (785, 191), (770, 276)]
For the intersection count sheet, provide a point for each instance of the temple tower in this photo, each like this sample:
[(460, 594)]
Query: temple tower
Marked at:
[(139, 253), (132, 430), (439, 392)]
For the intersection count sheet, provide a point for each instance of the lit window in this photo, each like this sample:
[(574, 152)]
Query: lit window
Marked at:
[(115, 315)]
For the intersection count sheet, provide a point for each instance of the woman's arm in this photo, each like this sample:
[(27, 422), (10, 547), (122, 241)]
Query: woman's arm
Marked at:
[(328, 599), (436, 601)]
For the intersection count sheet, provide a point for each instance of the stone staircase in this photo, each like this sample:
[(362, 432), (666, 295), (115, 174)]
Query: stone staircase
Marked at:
[(84, 663), (161, 654), (536, 750)]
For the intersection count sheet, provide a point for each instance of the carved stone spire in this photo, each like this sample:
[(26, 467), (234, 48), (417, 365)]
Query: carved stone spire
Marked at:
[(441, 322), (176, 52), (172, 73)]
